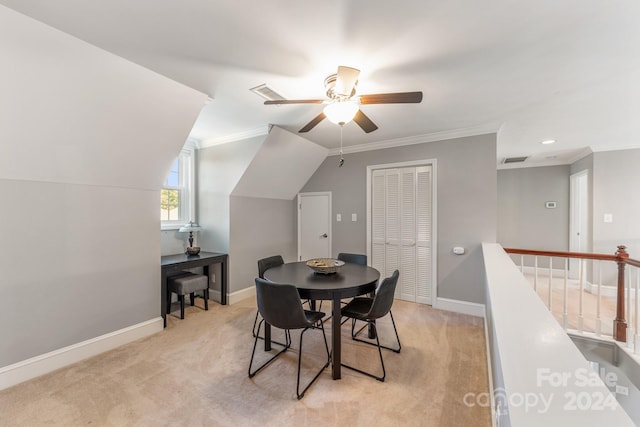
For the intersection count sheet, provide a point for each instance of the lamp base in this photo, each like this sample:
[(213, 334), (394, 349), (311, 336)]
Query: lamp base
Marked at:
[(193, 250)]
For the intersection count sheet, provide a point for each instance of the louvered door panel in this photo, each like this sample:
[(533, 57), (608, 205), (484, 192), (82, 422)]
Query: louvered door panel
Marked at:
[(424, 220), (378, 206), (407, 283), (392, 221)]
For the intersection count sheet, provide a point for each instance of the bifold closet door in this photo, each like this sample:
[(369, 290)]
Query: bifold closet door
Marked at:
[(401, 229)]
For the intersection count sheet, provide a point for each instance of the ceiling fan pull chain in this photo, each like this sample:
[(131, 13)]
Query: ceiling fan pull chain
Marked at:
[(341, 161)]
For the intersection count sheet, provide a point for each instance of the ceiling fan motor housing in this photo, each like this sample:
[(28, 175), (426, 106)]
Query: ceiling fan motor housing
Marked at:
[(330, 84)]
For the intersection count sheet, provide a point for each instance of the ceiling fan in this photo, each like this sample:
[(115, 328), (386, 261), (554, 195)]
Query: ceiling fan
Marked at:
[(342, 104)]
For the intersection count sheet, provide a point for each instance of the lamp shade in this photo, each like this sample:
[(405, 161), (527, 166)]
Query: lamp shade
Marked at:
[(190, 227), (341, 112)]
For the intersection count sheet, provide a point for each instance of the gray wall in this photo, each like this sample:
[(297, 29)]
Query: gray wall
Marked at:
[(80, 252), (616, 191), (616, 175), (259, 228), (466, 204), (523, 219)]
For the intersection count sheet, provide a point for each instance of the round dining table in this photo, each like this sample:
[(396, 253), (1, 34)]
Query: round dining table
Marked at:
[(349, 281)]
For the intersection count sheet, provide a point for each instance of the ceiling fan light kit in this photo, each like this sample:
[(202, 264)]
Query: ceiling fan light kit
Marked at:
[(343, 105), (341, 112)]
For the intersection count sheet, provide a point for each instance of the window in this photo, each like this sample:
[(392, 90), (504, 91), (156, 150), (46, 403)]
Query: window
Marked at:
[(176, 196)]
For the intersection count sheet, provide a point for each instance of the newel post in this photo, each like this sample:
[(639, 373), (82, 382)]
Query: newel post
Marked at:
[(620, 323)]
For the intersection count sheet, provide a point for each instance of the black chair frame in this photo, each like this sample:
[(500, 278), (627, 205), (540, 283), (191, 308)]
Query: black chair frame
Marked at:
[(298, 318), (378, 307)]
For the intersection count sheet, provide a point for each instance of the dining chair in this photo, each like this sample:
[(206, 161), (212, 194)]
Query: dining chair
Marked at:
[(353, 258), (280, 306), (369, 310), (263, 265)]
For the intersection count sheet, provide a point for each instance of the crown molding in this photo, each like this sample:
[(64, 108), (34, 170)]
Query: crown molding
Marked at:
[(615, 148), (417, 139), (210, 142)]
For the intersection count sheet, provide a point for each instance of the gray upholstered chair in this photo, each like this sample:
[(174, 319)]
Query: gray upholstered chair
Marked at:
[(188, 283), (369, 310), (263, 265), (280, 306), (353, 258)]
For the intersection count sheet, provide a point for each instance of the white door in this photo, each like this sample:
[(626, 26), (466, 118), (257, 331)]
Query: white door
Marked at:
[(314, 225), (578, 226), (401, 229)]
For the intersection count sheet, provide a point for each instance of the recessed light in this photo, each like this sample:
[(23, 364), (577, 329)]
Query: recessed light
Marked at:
[(548, 141)]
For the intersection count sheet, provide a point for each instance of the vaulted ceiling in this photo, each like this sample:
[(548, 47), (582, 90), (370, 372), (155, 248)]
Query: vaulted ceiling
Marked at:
[(565, 70)]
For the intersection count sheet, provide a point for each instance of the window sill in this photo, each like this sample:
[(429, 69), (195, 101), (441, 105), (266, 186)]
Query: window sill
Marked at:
[(168, 227)]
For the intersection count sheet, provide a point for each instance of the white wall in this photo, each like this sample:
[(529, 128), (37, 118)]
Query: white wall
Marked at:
[(85, 143)]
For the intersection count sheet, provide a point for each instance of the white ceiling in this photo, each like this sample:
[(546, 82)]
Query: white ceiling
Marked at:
[(567, 70)]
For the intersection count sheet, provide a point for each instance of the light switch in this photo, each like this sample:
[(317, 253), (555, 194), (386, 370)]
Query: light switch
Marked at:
[(354, 217), (608, 218), (338, 217)]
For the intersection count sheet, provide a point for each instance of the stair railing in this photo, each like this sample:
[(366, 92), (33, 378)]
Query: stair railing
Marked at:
[(623, 294)]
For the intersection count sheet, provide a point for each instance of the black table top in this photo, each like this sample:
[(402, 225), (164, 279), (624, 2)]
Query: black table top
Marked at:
[(350, 280), (184, 258)]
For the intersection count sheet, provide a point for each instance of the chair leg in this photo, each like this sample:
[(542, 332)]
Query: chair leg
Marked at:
[(299, 394), (206, 298), (255, 323), (192, 298), (253, 352), (384, 372), (354, 335), (181, 298), (254, 332)]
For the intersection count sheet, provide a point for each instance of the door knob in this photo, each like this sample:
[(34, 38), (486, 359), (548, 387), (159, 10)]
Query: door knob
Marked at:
[(324, 236)]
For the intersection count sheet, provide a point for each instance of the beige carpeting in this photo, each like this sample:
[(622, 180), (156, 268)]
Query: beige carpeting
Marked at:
[(194, 373)]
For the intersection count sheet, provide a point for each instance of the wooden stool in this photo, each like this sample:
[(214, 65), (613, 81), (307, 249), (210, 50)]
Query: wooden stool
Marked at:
[(188, 283)]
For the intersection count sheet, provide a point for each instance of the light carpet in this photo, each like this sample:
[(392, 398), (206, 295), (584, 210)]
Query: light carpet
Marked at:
[(194, 373)]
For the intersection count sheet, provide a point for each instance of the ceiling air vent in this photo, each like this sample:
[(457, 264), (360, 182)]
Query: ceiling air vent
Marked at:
[(514, 159), (267, 93)]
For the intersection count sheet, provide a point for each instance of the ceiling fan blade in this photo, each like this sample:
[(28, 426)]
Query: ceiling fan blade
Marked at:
[(392, 98), (346, 80), (364, 122), (293, 101), (317, 119)]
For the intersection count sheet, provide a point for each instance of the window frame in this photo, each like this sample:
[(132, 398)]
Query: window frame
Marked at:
[(186, 186)]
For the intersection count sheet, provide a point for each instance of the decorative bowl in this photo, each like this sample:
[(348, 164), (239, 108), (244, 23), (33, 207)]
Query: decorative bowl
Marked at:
[(193, 250), (325, 265)]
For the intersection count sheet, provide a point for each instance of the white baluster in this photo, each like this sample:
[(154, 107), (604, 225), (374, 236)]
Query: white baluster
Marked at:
[(581, 315), (550, 282), (598, 319), (636, 343), (535, 273), (565, 312), (522, 264), (627, 284)]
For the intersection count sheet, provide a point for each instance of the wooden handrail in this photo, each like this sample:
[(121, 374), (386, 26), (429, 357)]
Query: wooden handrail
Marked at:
[(621, 257), (582, 255)]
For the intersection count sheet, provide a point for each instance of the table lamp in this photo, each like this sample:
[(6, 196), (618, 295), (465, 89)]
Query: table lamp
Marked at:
[(191, 228)]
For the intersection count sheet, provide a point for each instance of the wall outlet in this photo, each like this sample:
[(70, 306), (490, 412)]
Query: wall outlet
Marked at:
[(339, 217), (213, 277), (354, 217), (608, 218)]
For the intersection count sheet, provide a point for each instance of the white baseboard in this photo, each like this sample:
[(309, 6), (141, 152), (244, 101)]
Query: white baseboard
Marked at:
[(457, 306), (242, 294), (39, 365)]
